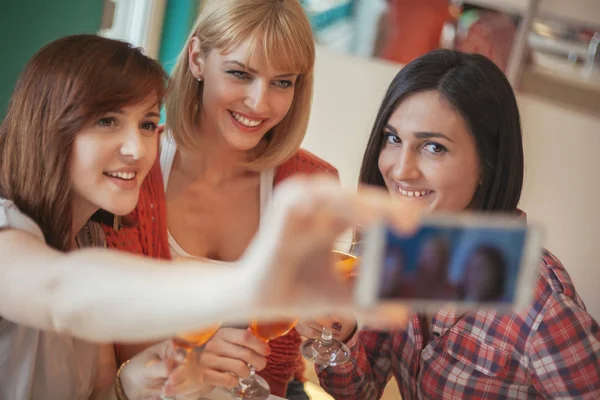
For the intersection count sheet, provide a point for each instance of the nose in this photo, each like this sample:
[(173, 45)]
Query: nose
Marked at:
[(406, 167), (257, 98), (133, 146)]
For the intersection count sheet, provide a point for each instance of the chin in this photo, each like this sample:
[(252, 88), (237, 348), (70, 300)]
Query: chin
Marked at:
[(244, 141), (122, 206)]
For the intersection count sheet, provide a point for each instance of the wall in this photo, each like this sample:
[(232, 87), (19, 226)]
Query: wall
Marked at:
[(562, 187), (179, 20), (25, 26)]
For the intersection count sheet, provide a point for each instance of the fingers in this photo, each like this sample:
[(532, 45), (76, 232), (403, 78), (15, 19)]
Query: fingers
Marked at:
[(221, 379), (153, 362), (229, 365), (187, 378), (330, 322), (309, 328), (230, 344), (245, 338), (182, 385), (322, 197), (314, 327), (234, 359), (172, 354), (404, 217), (341, 327), (157, 369), (307, 216), (200, 379)]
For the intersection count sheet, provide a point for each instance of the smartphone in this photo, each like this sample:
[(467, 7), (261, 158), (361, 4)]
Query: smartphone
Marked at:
[(467, 261)]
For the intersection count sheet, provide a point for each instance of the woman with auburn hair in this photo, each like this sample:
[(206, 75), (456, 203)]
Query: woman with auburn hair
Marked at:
[(236, 115), (78, 139)]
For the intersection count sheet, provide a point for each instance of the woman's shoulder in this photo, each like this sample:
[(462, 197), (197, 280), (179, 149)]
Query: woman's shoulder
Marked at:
[(304, 162), (13, 218), (553, 275)]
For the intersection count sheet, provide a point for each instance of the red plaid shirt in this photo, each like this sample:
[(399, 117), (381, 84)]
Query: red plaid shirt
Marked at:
[(551, 350)]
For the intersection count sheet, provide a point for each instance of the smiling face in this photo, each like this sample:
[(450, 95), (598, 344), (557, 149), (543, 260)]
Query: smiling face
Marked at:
[(429, 158), (243, 96), (111, 157)]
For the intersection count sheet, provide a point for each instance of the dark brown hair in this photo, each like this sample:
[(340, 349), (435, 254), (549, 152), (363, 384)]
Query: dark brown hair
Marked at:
[(64, 86), (483, 97)]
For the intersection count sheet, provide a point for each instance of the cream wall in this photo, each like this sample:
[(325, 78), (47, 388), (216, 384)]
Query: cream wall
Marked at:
[(562, 180)]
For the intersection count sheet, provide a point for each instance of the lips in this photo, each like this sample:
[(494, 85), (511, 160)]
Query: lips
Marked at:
[(126, 176), (411, 191), (247, 121), (414, 193), (125, 180)]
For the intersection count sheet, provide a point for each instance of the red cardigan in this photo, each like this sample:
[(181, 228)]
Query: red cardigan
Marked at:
[(149, 237)]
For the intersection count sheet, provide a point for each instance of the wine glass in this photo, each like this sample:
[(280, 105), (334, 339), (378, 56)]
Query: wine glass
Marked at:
[(325, 350), (186, 343), (191, 343), (254, 387)]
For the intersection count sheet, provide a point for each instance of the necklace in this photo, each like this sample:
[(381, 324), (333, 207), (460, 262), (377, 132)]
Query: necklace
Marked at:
[(91, 235)]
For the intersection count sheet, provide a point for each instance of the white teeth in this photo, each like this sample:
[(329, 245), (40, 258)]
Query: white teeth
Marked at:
[(251, 123), (127, 176), (410, 193)]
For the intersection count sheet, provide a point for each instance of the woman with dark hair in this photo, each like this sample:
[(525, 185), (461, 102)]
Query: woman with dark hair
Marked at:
[(448, 138)]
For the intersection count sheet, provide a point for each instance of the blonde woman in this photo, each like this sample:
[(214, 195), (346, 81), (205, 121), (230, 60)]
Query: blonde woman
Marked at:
[(236, 116)]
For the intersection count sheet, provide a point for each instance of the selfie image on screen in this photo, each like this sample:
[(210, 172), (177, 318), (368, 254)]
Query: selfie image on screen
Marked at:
[(453, 264)]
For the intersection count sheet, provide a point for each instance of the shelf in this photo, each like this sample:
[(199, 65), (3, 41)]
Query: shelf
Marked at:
[(560, 70), (585, 13)]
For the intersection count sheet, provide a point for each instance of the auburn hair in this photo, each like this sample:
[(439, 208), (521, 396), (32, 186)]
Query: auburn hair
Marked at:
[(64, 86)]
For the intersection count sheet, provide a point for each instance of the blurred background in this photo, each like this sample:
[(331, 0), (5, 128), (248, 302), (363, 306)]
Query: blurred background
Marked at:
[(549, 49)]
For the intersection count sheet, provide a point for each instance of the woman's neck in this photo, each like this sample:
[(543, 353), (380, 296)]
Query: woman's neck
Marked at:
[(214, 163)]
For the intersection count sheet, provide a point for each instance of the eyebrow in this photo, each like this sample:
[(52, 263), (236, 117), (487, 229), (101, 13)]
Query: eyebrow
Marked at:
[(422, 134), (243, 66), (152, 114), (148, 114)]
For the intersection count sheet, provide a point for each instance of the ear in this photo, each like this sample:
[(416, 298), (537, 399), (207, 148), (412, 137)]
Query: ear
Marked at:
[(196, 58)]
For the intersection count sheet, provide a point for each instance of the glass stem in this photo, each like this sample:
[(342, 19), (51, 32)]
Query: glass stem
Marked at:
[(246, 383), (326, 336)]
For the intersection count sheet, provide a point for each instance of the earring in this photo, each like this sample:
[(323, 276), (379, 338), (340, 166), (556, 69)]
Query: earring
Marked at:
[(199, 79)]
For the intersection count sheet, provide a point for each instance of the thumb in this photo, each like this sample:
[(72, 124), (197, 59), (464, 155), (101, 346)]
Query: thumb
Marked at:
[(157, 369), (159, 360), (179, 381)]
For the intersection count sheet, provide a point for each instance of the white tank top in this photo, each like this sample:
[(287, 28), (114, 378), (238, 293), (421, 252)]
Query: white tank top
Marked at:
[(37, 364), (168, 148)]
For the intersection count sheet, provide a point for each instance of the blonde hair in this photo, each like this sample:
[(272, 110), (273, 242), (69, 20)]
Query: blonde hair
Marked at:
[(286, 36)]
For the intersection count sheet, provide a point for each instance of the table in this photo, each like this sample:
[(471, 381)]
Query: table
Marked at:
[(219, 394)]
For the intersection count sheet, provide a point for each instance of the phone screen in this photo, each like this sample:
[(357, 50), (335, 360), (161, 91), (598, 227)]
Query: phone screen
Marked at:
[(453, 261)]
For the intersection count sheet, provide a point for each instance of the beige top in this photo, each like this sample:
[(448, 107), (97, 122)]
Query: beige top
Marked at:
[(35, 364)]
